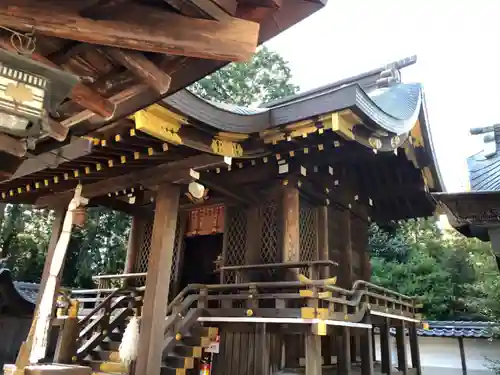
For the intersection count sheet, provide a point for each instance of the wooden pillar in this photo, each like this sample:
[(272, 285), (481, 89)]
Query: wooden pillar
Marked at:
[(292, 351), (346, 250), (415, 353), (367, 349), (322, 232), (364, 253), (344, 351), (134, 243), (59, 215), (157, 282), (462, 355), (374, 346), (385, 347), (179, 250), (313, 353), (401, 348), (290, 225)]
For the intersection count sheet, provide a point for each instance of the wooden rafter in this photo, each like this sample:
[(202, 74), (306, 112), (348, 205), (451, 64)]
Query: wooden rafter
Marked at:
[(143, 29), (200, 8), (12, 145), (174, 172), (143, 68)]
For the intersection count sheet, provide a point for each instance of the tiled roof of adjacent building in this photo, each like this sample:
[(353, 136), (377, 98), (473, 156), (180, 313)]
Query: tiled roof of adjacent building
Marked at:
[(459, 329), (484, 166), (455, 329)]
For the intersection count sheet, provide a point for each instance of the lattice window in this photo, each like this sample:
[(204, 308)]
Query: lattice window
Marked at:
[(174, 271), (308, 235), (234, 253), (142, 257), (270, 250)]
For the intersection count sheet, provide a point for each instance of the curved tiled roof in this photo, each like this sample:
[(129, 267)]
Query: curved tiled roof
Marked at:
[(16, 298), (458, 329), (484, 166), (377, 94), (482, 330)]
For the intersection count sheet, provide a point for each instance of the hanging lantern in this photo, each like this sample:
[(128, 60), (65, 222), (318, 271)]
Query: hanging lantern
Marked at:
[(29, 92)]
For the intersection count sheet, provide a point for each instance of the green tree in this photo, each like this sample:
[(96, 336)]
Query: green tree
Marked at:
[(417, 258), (264, 78)]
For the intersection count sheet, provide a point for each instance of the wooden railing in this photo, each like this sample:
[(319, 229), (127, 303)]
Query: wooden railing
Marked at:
[(98, 312)]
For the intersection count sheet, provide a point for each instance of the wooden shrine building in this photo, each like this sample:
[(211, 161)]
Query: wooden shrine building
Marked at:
[(476, 213), (242, 218), (250, 225)]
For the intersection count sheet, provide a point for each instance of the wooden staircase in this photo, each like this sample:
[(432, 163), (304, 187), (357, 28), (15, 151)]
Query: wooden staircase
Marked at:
[(181, 359), (101, 332)]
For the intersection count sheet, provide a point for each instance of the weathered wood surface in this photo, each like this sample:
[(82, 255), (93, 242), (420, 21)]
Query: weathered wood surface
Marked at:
[(157, 281), (142, 28), (252, 352)]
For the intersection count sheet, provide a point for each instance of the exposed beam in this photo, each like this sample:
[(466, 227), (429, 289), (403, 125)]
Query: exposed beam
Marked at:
[(12, 145), (81, 94), (55, 130), (174, 172), (77, 148), (121, 206), (142, 28), (143, 68), (200, 7)]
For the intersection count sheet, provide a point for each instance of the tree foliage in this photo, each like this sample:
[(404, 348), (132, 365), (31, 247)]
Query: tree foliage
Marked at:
[(417, 258), (264, 78)]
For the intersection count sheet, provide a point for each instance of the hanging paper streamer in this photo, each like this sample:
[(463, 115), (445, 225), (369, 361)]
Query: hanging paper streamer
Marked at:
[(130, 342)]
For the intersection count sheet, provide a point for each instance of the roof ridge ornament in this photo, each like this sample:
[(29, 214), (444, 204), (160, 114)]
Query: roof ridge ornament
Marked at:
[(388, 77), (489, 139)]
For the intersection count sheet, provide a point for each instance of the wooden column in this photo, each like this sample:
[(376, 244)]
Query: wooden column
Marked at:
[(415, 353), (292, 351), (290, 225), (313, 353), (323, 254), (364, 253), (57, 225), (322, 232), (344, 351), (401, 348), (157, 282), (59, 215), (179, 250), (385, 347), (374, 346), (346, 250), (134, 243), (367, 350)]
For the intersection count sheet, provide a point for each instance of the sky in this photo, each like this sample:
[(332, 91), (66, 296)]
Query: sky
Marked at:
[(458, 48)]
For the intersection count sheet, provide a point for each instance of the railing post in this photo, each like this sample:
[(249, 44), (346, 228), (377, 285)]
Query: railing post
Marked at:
[(68, 336), (203, 301)]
